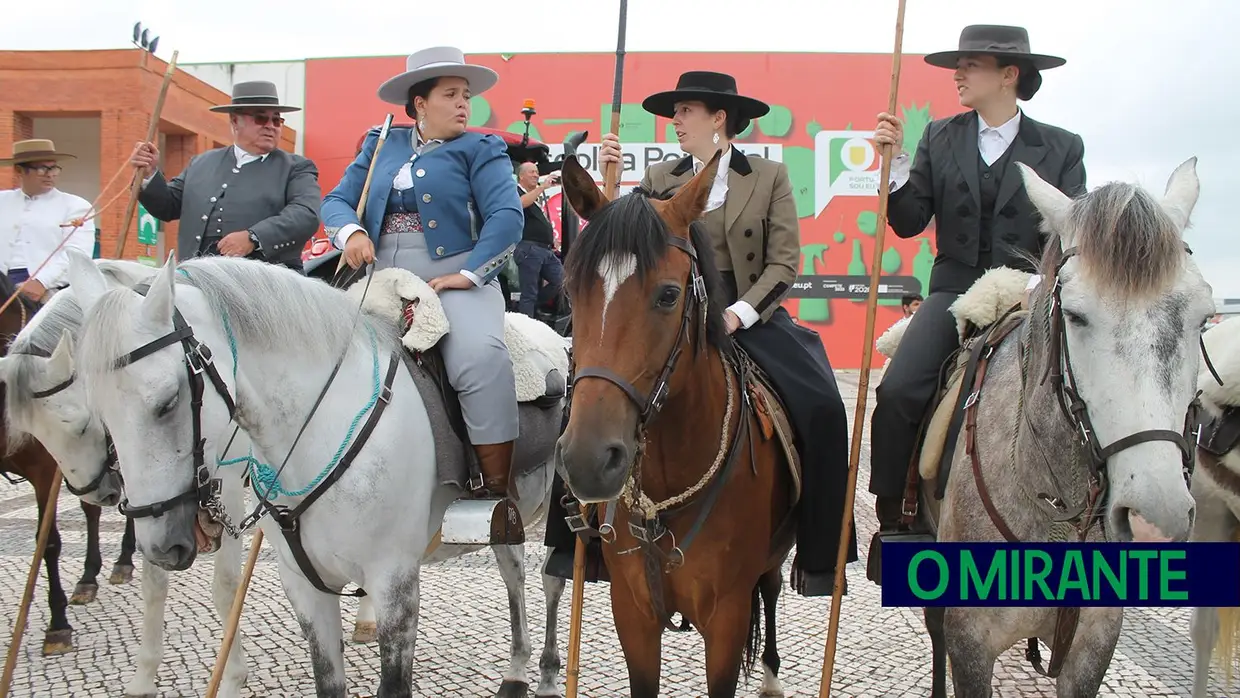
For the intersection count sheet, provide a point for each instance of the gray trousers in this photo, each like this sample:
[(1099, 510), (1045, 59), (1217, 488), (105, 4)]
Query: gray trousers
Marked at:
[(474, 353)]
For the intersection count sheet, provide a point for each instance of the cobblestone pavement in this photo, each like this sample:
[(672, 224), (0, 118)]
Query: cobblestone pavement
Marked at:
[(464, 638)]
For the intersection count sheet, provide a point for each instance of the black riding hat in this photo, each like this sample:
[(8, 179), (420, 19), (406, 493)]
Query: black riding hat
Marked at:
[(704, 85)]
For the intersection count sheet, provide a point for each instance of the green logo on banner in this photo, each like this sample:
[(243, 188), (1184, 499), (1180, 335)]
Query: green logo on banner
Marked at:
[(148, 227)]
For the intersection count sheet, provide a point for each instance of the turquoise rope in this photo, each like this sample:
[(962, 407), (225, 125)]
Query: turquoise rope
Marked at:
[(265, 474)]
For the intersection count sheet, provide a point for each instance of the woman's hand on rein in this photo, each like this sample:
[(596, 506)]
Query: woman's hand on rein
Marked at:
[(450, 281), (731, 321)]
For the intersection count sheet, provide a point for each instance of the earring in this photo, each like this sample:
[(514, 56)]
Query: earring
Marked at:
[(716, 138)]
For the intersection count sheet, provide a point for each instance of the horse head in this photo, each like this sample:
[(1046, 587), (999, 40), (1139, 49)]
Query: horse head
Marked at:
[(1117, 324), (642, 281), (144, 377)]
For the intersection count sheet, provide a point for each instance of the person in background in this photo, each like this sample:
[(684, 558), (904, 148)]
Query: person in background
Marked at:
[(442, 205), (249, 199), (535, 254), (964, 177), (910, 303), (35, 218)]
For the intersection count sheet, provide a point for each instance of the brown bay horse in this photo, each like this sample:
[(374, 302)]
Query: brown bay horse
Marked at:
[(31, 462), (669, 433)]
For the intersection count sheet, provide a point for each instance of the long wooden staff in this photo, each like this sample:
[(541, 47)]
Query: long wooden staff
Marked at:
[(611, 185), (152, 130), (234, 615), (19, 626), (361, 202), (863, 383)]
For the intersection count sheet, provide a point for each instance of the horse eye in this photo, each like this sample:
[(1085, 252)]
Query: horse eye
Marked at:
[(166, 407), (669, 296), (1075, 319)]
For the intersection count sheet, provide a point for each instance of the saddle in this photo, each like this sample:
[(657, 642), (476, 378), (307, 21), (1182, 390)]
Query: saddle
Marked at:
[(772, 416), (984, 315), (539, 357)]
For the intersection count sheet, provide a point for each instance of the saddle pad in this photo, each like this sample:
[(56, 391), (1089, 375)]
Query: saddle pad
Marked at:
[(540, 427), (935, 442), (771, 412), (535, 348)]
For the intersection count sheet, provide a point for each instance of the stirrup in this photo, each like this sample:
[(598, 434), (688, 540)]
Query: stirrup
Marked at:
[(493, 521)]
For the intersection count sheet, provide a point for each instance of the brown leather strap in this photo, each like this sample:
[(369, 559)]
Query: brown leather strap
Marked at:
[(985, 347), (1066, 620)]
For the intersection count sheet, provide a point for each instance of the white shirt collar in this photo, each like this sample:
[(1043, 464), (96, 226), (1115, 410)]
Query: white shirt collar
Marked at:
[(49, 194), (244, 156), (724, 161), (1007, 130)]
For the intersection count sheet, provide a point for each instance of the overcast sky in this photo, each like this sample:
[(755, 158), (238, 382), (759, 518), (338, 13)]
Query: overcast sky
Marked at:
[(1148, 84)]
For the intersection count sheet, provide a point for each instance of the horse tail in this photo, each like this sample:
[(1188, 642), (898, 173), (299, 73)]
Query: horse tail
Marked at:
[(1225, 648), (753, 639)]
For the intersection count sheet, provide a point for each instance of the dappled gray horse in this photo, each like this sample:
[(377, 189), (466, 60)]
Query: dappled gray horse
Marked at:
[(1079, 413)]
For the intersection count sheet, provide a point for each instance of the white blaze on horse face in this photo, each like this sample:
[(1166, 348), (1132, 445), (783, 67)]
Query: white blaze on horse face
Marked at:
[(615, 269)]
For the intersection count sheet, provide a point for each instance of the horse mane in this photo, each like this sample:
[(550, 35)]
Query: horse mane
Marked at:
[(267, 307), (1126, 242), (630, 225), (39, 339)]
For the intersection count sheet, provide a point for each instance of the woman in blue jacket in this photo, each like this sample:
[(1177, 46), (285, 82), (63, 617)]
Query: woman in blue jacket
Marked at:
[(442, 204)]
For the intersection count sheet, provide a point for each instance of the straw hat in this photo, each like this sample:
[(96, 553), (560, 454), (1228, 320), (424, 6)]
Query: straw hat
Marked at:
[(34, 150)]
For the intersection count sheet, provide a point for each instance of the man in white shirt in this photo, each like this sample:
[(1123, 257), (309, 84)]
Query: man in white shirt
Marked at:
[(35, 219)]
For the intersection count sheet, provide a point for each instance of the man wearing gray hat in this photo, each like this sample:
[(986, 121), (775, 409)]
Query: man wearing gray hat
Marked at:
[(250, 199)]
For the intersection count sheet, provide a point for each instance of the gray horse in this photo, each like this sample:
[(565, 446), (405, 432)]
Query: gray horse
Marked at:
[(1080, 417)]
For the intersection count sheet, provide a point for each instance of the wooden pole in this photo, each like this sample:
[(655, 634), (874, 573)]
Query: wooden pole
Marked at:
[(152, 130), (863, 383), (40, 545), (611, 189), (370, 172), (234, 615)]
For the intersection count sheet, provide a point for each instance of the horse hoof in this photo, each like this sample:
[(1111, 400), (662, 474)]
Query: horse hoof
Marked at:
[(121, 574), (58, 642), (365, 632), (513, 689), (141, 695), (549, 693), (83, 594)]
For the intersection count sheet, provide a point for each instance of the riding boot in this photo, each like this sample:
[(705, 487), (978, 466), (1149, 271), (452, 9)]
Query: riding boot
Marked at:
[(889, 511), (495, 461)]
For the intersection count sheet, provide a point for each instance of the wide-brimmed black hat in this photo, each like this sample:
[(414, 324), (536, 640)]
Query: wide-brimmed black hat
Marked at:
[(705, 85), (255, 94), (995, 40)]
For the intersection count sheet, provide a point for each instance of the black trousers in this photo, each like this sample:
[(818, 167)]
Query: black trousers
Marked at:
[(794, 359), (906, 390)]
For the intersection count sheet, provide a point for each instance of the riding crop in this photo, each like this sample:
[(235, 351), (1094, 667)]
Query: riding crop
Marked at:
[(863, 383), (361, 201), (19, 625), (611, 185), (152, 130)]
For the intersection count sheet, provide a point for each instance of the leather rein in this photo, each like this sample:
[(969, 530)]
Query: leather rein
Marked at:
[(647, 527), (1063, 379)]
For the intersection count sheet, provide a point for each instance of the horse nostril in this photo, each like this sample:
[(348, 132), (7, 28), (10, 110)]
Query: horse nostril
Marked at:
[(617, 457)]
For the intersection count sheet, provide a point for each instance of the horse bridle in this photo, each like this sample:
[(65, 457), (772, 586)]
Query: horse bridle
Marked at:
[(1074, 409), (110, 462), (649, 405), (198, 360)]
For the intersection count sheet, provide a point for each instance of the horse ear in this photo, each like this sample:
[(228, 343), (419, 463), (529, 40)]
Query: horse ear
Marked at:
[(160, 300), (690, 201), (61, 362), (87, 282), (1183, 187), (583, 194), (1049, 201)]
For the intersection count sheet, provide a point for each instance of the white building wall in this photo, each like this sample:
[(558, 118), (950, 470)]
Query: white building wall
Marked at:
[(289, 78)]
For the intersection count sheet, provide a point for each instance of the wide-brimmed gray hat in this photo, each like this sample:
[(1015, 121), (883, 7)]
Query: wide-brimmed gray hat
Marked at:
[(995, 40), (254, 94), (437, 62)]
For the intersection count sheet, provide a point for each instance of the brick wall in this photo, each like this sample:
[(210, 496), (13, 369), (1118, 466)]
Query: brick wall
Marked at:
[(121, 88)]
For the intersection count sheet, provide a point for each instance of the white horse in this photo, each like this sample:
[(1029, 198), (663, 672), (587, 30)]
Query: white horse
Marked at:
[(1216, 487), (43, 400), (1114, 329), (370, 526)]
